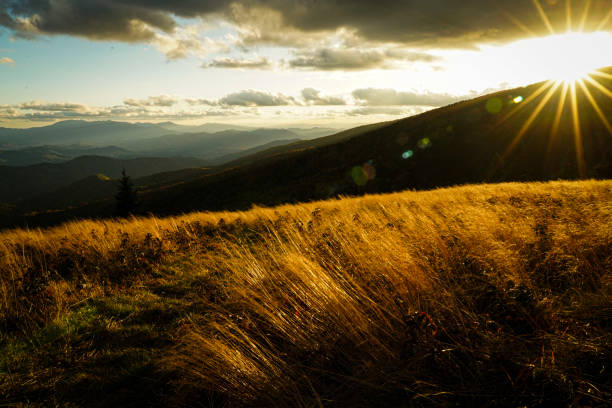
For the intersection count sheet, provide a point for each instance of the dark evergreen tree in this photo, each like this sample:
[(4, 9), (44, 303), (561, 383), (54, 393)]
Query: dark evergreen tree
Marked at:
[(126, 196)]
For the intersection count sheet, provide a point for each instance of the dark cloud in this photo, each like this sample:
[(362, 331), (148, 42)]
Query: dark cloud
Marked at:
[(391, 97), (232, 63), (313, 97), (445, 23), (252, 98), (95, 19), (434, 22)]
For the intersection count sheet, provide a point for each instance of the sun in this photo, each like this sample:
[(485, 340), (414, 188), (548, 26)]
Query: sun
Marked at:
[(566, 57), (573, 55), (572, 62)]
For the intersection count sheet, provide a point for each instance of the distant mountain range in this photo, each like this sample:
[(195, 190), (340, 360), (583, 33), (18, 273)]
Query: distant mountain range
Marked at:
[(80, 132), (511, 135), (67, 140), (100, 133), (58, 154), (28, 171)]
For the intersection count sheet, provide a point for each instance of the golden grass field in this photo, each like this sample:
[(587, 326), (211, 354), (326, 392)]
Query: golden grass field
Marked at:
[(484, 295)]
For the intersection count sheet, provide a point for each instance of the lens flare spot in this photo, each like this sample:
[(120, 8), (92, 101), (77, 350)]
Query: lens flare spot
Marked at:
[(358, 175), (518, 99), (407, 154), (364, 173), (424, 143), (369, 170), (494, 106)]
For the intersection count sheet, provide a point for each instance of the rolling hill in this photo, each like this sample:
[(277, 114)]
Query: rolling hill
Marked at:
[(208, 146), (511, 135), (506, 136), (18, 183), (57, 154), (67, 140)]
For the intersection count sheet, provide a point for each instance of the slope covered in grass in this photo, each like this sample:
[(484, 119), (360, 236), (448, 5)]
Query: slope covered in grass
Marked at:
[(494, 295)]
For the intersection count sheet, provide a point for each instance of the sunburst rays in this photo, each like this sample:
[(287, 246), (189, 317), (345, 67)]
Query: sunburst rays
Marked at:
[(568, 95), (595, 105), (554, 131), (532, 117), (544, 17), (577, 131)]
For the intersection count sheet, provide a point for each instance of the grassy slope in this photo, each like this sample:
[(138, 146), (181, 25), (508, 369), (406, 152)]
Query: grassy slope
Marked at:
[(493, 295)]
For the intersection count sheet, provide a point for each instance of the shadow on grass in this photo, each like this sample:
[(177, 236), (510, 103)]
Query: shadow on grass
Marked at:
[(104, 353)]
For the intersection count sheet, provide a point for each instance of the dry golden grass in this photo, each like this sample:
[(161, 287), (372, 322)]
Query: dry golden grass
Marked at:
[(496, 295)]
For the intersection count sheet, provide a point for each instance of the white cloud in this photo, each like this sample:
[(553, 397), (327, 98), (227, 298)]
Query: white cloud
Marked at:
[(7, 61), (160, 100), (253, 98), (188, 41), (313, 97)]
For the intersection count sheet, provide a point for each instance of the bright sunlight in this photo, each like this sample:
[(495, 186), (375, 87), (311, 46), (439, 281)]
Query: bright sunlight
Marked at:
[(565, 57)]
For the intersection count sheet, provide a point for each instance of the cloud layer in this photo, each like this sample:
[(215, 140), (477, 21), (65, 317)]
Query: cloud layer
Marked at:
[(361, 102), (444, 23)]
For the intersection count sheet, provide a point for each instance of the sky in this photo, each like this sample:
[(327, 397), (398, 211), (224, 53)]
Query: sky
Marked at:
[(282, 62)]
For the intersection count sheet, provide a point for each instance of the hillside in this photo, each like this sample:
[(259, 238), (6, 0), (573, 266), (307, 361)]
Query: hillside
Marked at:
[(18, 183), (486, 295), (513, 135), (208, 146), (42, 208), (57, 154), (100, 188), (251, 153), (462, 143)]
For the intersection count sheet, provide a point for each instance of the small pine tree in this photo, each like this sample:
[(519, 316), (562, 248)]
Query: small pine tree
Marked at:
[(126, 196)]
